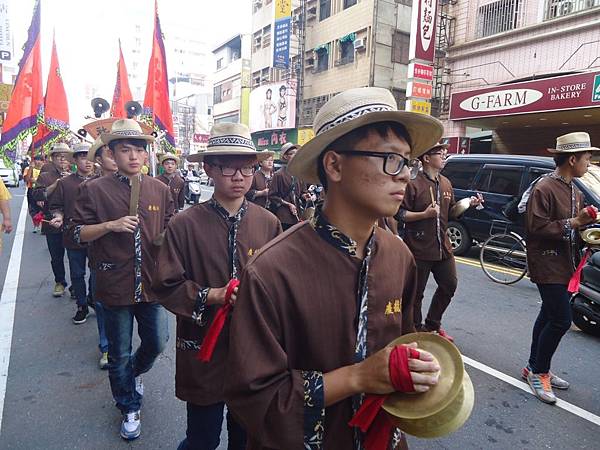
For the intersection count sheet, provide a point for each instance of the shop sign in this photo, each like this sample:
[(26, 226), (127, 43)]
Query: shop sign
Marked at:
[(422, 30), (546, 95), (418, 106), (273, 139), (420, 71), (457, 145), (420, 90)]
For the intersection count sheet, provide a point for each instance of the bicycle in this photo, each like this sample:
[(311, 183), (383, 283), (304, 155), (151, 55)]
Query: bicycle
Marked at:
[(503, 255)]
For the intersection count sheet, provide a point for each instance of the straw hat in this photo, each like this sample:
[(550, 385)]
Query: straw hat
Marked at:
[(97, 145), (60, 147), (355, 108), (230, 139), (574, 142), (169, 156), (287, 147), (80, 147), (125, 129)]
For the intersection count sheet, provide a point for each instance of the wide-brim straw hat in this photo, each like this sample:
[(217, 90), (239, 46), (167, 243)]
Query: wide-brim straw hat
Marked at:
[(60, 147), (125, 129), (574, 142), (287, 147), (168, 156), (355, 108), (97, 145), (81, 147), (230, 139)]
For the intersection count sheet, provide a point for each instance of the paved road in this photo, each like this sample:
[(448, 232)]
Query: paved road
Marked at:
[(56, 398)]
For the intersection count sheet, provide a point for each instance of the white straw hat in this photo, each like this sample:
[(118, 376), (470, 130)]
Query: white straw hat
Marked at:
[(60, 147), (574, 142), (353, 109), (97, 145), (125, 129)]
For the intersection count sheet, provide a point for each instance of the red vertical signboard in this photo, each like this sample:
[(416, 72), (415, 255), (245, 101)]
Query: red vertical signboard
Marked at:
[(422, 32)]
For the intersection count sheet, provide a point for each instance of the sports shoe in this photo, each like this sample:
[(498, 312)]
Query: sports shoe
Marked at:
[(81, 315), (139, 385), (555, 381), (131, 427), (445, 335), (59, 290), (541, 387), (103, 363)]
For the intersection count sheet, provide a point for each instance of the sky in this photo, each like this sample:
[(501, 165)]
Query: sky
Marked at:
[(87, 33)]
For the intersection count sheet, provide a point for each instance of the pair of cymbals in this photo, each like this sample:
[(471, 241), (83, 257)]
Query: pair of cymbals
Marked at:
[(591, 235), (446, 406)]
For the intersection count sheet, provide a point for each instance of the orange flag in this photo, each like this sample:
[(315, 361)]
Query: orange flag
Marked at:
[(122, 93), (56, 108)]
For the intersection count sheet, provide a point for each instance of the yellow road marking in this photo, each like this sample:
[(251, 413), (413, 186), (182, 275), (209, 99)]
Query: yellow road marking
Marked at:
[(473, 263)]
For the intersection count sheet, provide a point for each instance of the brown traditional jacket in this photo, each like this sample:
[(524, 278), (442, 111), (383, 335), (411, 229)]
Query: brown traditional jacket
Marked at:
[(550, 239), (288, 188), (259, 182), (124, 262), (176, 184), (306, 306), (63, 200), (427, 239), (48, 176), (196, 255)]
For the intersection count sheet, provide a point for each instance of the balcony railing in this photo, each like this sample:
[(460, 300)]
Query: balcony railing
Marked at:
[(559, 8), (500, 16)]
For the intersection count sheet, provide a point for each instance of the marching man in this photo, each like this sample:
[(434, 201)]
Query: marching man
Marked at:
[(172, 179)]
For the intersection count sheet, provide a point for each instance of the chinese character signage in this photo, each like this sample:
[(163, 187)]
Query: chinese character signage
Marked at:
[(273, 106), (420, 71), (422, 32), (418, 106), (273, 139), (457, 145), (282, 31), (419, 90), (5, 34)]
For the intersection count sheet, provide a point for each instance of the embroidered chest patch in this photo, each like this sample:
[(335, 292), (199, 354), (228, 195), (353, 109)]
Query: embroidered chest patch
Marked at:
[(393, 307)]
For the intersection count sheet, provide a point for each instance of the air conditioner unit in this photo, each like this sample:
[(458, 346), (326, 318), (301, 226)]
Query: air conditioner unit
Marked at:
[(359, 44)]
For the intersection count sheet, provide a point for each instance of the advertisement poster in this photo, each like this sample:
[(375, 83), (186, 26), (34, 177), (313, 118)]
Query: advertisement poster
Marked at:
[(273, 106), (282, 31)]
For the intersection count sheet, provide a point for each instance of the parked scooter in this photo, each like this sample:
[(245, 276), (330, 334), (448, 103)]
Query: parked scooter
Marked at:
[(191, 189), (585, 304)]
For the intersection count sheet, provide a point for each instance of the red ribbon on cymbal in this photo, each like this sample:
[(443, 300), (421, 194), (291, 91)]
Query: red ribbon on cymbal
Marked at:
[(373, 420), (592, 212), (38, 219), (575, 280), (212, 335)]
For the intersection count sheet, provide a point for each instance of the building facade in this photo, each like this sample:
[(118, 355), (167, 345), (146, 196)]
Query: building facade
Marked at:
[(515, 74)]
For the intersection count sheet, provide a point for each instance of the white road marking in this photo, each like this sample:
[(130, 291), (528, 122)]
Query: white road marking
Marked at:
[(590, 417), (8, 302)]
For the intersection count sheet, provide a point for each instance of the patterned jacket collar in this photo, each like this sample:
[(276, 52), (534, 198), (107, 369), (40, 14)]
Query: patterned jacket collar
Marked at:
[(123, 178), (334, 236), (224, 214), (558, 177)]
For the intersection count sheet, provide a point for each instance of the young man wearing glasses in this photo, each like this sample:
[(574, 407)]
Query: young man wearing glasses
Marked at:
[(427, 206), (204, 249), (319, 305)]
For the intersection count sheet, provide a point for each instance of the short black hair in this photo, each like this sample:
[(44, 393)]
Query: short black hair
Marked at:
[(99, 152), (561, 159), (136, 142), (347, 141)]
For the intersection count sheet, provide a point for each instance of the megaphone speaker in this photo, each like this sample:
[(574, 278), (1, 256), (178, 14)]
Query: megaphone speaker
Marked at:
[(133, 109), (100, 106)]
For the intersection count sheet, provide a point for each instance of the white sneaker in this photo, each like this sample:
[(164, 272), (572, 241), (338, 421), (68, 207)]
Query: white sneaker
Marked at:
[(103, 363), (139, 385), (131, 427)]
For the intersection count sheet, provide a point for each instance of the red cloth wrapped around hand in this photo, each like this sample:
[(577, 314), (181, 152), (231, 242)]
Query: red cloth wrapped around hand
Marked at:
[(212, 335), (373, 420)]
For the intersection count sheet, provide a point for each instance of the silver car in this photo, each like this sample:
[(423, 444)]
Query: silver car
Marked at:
[(9, 175)]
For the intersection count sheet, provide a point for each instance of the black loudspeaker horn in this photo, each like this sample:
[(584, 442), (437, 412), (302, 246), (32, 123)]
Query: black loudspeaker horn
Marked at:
[(133, 109), (82, 133), (100, 106)]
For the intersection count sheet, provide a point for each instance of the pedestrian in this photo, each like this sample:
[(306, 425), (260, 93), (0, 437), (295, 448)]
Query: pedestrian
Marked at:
[(5, 196), (205, 248), (261, 182), (286, 190), (428, 205), (123, 214), (171, 178), (50, 173), (62, 207), (30, 175), (554, 214), (318, 306)]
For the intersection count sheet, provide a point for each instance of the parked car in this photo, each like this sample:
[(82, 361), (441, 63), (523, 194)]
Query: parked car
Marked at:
[(9, 175), (501, 179)]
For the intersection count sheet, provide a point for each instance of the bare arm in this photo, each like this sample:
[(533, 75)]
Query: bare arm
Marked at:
[(126, 224), (5, 210)]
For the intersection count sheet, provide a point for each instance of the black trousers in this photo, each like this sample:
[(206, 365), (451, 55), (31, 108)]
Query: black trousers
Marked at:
[(57, 256), (204, 429), (553, 321)]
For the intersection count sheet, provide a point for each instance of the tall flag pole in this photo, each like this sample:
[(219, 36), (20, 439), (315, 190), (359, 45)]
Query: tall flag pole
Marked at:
[(122, 93), (157, 109), (26, 105)]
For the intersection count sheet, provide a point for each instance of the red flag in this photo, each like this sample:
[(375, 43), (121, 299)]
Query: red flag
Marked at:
[(44, 138), (26, 103), (156, 101), (56, 108), (122, 93)]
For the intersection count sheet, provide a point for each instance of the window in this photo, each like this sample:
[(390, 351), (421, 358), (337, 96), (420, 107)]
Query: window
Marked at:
[(322, 60), (219, 63), (217, 94), (534, 174), (461, 174), (504, 181), (559, 8), (257, 40), (349, 3), (265, 75), (324, 9), (400, 44), (346, 52), (498, 17), (266, 40)]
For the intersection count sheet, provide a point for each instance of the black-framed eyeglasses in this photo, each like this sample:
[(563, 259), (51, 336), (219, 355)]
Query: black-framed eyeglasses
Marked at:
[(393, 163), (246, 171)]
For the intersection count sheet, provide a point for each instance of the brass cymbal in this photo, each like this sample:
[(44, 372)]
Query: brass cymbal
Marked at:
[(420, 405), (591, 235), (447, 420)]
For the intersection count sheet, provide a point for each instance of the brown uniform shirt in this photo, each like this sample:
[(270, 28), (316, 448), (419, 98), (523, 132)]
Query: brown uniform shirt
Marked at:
[(194, 256), (427, 239), (549, 237), (288, 188), (105, 199), (175, 184), (296, 318), (259, 183), (48, 176), (63, 200)]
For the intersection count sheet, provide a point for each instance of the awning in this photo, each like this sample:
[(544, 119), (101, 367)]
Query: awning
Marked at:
[(348, 38)]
